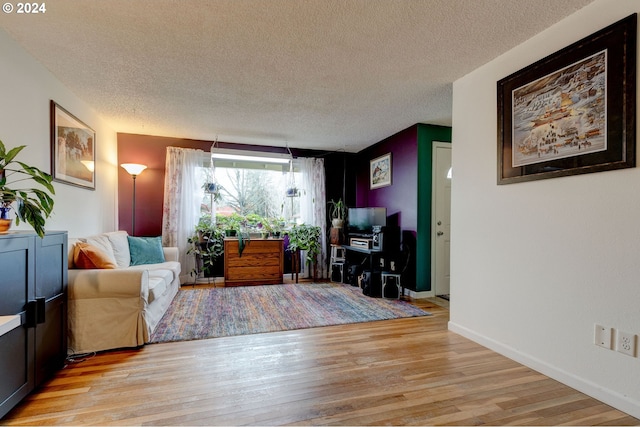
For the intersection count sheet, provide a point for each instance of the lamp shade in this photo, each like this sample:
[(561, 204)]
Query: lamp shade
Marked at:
[(133, 168)]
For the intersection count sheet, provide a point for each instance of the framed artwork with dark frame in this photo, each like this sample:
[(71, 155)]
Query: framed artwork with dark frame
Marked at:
[(572, 112), (73, 149), (380, 171)]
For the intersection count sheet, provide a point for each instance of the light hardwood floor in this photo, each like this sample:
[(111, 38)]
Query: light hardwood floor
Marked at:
[(396, 372)]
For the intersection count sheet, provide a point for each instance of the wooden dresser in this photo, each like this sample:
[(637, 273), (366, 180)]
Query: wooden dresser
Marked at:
[(261, 262)]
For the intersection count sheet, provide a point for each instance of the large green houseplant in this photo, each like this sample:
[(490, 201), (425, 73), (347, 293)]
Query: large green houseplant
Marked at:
[(306, 238), (32, 205), (207, 244)]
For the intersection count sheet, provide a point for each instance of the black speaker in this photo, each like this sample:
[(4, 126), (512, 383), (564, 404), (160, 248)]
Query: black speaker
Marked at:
[(370, 284), (391, 288), (353, 272), (386, 239), (337, 270)]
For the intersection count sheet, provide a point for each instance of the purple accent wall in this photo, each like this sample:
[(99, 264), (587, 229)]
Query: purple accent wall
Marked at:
[(401, 197)]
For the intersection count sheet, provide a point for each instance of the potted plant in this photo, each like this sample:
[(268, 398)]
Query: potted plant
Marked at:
[(338, 212), (230, 224), (255, 225), (306, 238), (292, 192), (275, 226), (207, 244), (214, 189), (234, 226), (32, 205)]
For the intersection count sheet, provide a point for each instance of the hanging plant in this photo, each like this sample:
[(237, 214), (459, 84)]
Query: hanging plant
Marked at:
[(293, 192), (214, 189)]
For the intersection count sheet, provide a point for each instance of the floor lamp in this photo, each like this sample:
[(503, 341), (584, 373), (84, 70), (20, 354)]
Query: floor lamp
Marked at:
[(134, 170)]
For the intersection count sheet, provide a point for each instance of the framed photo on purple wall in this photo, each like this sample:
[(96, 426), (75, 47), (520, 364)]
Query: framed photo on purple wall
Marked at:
[(73, 146), (572, 112), (380, 171)]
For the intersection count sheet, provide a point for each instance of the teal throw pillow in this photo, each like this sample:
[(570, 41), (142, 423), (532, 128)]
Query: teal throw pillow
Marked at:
[(145, 250)]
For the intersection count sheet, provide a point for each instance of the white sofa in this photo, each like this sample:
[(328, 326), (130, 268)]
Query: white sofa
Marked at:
[(118, 307)]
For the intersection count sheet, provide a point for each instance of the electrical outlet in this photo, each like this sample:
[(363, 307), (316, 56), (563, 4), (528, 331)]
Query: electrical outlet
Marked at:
[(602, 336), (626, 343)]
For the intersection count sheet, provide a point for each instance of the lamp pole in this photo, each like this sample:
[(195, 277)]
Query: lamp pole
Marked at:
[(134, 169), (133, 209)]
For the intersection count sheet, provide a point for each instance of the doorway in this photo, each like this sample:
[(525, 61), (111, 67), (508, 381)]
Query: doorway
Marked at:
[(441, 219)]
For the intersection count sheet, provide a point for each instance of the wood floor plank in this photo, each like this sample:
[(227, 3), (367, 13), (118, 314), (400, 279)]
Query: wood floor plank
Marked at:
[(396, 372)]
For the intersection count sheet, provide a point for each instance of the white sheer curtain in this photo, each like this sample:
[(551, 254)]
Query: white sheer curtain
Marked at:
[(182, 198), (313, 209)]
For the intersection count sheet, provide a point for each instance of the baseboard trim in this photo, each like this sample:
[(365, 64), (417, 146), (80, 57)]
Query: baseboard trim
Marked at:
[(420, 294), (610, 397)]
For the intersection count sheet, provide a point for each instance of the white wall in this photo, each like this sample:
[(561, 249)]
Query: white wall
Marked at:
[(26, 88), (534, 265)]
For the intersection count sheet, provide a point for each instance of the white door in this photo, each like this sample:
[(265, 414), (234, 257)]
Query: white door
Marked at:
[(441, 217)]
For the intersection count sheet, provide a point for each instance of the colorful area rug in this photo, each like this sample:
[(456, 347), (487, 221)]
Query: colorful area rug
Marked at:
[(218, 312)]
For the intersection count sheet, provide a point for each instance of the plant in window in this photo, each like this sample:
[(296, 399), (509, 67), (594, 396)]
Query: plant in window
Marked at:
[(254, 221), (214, 189), (210, 185), (274, 226), (230, 224)]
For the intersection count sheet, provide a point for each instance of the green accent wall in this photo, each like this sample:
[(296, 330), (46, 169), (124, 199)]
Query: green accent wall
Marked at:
[(427, 135)]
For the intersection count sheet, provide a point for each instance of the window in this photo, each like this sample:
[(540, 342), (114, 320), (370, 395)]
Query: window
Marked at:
[(250, 188)]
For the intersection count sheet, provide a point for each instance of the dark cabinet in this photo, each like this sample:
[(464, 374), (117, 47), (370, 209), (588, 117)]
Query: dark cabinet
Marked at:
[(33, 312)]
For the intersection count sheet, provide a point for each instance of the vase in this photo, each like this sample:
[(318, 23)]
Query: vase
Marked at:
[(5, 225), (5, 219), (4, 212)]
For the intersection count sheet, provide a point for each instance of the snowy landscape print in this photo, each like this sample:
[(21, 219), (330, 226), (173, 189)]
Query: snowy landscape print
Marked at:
[(562, 114)]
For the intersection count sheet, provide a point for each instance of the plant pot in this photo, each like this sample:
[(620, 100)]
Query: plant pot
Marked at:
[(5, 225), (337, 222), (336, 236), (211, 187), (4, 212)]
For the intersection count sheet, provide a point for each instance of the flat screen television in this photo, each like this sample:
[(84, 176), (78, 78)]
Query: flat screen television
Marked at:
[(360, 221)]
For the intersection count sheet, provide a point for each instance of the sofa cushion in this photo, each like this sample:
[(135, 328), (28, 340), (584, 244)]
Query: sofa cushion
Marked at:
[(102, 242), (159, 282), (120, 245), (173, 266), (89, 256), (145, 250)]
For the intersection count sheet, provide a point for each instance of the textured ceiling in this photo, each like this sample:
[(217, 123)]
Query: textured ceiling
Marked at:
[(320, 74)]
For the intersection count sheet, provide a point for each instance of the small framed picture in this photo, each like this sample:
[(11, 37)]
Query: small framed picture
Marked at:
[(380, 171), (73, 149)]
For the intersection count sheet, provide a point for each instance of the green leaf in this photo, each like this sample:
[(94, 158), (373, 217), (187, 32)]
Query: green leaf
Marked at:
[(32, 205)]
